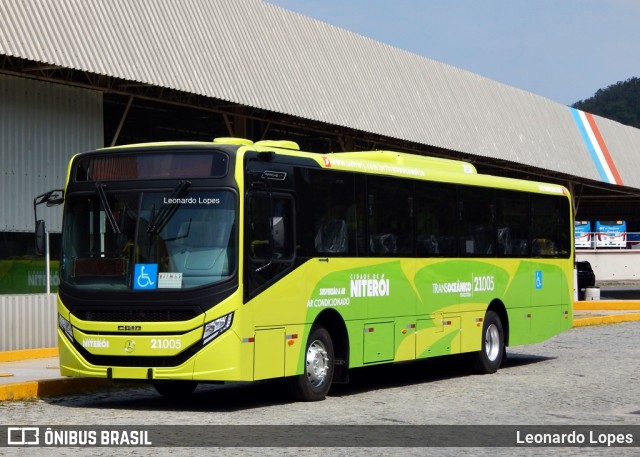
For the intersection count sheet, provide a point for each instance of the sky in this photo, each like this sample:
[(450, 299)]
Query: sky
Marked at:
[(564, 50)]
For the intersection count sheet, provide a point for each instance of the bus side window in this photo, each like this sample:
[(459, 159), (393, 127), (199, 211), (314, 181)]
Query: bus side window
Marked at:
[(549, 222), (477, 214), (328, 222), (512, 223), (436, 221), (331, 237), (390, 213)]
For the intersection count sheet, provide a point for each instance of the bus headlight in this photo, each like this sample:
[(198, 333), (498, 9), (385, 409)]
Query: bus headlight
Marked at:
[(65, 325), (216, 328)]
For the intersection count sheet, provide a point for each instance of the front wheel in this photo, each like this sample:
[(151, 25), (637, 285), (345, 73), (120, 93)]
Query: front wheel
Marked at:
[(314, 383), (488, 359)]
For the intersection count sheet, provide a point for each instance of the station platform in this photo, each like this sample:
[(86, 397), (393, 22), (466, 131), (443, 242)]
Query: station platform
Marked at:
[(35, 373)]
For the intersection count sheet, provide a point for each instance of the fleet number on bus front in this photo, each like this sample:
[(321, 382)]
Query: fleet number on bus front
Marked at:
[(483, 283), (165, 343)]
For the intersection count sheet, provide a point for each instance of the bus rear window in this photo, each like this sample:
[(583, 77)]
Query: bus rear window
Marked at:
[(176, 164)]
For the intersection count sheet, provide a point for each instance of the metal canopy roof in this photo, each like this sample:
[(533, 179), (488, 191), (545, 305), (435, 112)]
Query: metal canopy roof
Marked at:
[(256, 54)]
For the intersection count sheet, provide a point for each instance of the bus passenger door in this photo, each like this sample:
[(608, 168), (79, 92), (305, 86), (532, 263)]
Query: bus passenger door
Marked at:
[(270, 241)]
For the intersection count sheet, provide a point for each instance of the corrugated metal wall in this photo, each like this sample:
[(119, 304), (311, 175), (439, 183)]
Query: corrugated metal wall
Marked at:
[(28, 322), (41, 126), (624, 145), (257, 54)]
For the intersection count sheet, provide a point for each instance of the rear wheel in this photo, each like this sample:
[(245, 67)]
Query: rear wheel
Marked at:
[(175, 389), (314, 383), (488, 359)]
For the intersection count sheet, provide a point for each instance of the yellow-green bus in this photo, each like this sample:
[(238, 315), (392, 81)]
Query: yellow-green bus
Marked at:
[(238, 261)]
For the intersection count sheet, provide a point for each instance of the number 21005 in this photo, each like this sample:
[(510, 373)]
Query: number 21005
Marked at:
[(165, 343), (483, 283)]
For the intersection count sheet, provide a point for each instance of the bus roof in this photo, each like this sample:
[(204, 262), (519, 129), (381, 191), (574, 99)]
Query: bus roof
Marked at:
[(381, 162), (409, 160), (391, 163)]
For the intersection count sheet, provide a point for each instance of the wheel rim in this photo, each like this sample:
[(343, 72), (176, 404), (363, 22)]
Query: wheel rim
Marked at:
[(492, 342), (317, 363)]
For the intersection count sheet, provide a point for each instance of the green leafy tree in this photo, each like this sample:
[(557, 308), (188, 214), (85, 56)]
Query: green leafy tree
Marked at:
[(619, 102)]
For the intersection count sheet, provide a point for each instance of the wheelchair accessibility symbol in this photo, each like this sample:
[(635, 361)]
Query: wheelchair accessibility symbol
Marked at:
[(538, 279), (145, 276)]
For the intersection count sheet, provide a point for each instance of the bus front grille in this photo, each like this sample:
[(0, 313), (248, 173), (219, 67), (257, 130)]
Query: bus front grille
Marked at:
[(135, 315)]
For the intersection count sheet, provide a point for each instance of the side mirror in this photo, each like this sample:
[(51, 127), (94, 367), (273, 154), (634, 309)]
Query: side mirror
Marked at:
[(40, 237)]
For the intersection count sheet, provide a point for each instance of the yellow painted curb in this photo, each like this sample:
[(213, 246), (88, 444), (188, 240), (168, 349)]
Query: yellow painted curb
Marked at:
[(609, 319), (21, 391), (610, 305), (49, 388), (43, 353)]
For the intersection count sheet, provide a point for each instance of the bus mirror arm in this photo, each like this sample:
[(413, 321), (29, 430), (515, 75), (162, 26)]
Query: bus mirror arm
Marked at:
[(52, 198)]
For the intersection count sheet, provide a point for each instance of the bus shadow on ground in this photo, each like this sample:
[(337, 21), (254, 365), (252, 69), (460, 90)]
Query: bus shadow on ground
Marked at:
[(207, 398), (419, 372), (243, 396)]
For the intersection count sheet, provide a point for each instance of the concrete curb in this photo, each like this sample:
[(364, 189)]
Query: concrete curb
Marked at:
[(32, 390), (607, 305), (25, 354), (608, 319)]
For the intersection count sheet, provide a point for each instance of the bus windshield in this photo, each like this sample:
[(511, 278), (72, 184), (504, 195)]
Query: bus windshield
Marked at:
[(148, 240)]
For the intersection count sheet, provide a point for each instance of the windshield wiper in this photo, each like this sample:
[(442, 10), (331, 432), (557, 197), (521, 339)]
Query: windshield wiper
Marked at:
[(168, 210), (107, 208)]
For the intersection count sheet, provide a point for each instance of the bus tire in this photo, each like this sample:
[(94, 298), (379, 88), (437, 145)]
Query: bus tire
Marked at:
[(314, 383), (175, 389), (488, 359)]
